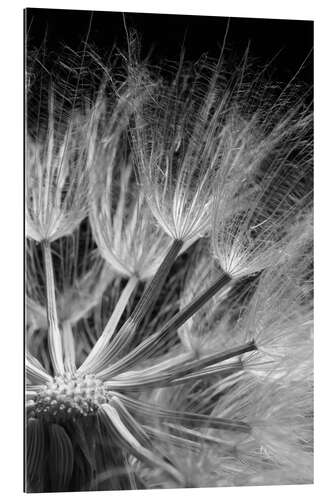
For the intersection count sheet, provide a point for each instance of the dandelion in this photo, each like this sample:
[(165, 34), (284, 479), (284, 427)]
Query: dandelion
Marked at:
[(57, 188), (177, 142), (270, 388), (252, 239), (80, 282), (57, 175), (274, 409), (265, 455), (127, 238), (125, 233), (279, 314), (66, 407), (149, 379)]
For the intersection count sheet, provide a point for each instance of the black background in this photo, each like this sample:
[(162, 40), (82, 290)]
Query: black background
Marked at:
[(290, 42)]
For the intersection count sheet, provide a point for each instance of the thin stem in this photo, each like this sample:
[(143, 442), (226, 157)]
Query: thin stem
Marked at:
[(111, 326), (127, 332), (183, 370), (69, 347), (219, 357), (182, 316), (154, 288), (153, 343), (54, 337), (223, 372), (186, 418)]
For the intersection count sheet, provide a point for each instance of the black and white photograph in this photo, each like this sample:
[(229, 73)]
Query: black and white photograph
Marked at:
[(168, 240)]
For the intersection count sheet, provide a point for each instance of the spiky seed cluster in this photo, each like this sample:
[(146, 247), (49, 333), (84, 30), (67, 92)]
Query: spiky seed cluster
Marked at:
[(69, 397)]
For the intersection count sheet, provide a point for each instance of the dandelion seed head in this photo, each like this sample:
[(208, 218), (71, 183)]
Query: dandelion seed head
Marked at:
[(158, 164), (251, 215), (69, 397), (127, 236), (279, 315), (57, 180), (123, 227), (179, 139)]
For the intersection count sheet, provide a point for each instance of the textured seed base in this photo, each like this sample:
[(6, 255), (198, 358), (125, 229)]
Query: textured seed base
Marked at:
[(69, 397)]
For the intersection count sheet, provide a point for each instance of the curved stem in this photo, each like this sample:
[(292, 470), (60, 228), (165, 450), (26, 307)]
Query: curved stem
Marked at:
[(111, 325)]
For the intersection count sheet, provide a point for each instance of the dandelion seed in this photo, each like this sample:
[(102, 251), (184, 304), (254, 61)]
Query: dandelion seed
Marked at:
[(252, 239), (279, 315), (178, 144), (122, 225), (57, 189)]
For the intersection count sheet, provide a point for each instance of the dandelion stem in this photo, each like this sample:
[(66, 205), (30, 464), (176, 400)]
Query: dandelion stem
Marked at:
[(222, 371), (182, 316), (111, 326), (153, 290), (191, 419), (54, 336), (69, 347), (155, 342), (126, 333), (207, 361), (183, 370)]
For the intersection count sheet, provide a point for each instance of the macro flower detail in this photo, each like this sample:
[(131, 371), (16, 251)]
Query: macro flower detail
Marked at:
[(177, 144), (69, 397), (169, 280), (57, 189)]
